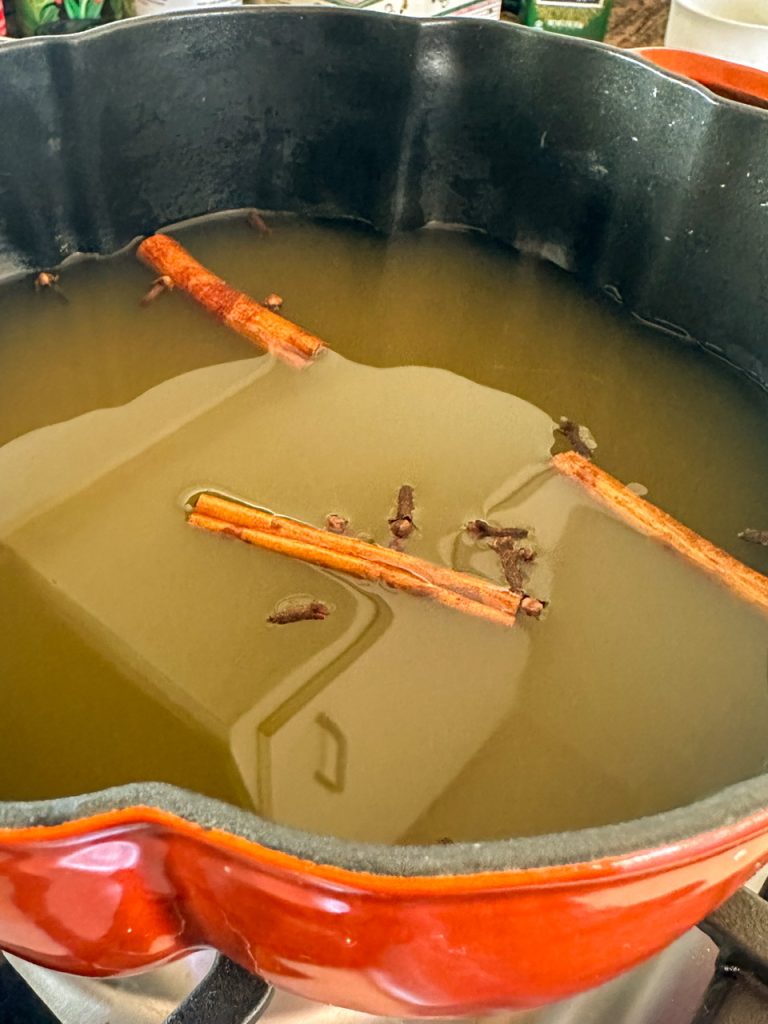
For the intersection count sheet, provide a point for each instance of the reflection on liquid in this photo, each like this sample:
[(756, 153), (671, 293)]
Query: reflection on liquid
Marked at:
[(137, 648), (325, 725)]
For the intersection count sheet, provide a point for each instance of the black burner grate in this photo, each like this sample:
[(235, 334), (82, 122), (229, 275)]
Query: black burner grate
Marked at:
[(18, 1003), (738, 993), (227, 995)]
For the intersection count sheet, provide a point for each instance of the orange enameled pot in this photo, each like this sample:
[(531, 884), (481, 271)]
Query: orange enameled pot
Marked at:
[(401, 931), (574, 150)]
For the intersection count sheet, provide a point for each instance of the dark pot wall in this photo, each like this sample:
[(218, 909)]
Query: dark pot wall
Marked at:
[(642, 184)]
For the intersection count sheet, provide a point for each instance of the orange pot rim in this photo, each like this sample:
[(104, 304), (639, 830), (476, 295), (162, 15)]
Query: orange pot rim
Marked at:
[(724, 80), (721, 822)]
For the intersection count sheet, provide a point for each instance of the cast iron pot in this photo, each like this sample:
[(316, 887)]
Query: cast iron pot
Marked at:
[(646, 186)]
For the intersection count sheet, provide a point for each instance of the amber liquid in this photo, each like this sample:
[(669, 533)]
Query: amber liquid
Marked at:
[(134, 648)]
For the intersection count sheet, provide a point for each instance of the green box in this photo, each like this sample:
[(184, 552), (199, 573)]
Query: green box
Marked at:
[(586, 18)]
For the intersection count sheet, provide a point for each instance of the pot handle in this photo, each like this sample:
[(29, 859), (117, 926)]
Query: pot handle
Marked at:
[(732, 81)]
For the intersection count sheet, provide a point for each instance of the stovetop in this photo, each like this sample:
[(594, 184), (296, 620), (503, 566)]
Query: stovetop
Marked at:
[(715, 974)]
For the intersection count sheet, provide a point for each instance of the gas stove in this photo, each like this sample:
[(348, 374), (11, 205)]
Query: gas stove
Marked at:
[(715, 974)]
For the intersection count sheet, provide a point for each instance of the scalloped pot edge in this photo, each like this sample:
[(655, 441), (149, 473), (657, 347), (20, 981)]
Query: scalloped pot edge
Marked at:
[(118, 881)]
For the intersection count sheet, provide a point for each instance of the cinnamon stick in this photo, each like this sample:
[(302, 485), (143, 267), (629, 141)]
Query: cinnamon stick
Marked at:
[(362, 559), (233, 308), (746, 583)]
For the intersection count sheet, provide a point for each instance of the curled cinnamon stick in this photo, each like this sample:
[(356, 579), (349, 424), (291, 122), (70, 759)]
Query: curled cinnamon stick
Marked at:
[(648, 519), (237, 310), (362, 559)]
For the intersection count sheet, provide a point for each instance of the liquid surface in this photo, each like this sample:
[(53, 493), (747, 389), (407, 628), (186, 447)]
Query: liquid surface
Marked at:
[(133, 647), (680, 423)]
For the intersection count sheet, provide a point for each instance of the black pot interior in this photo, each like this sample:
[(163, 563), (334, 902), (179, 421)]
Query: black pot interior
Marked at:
[(648, 188)]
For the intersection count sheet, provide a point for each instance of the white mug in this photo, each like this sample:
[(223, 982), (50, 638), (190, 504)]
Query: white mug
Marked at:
[(735, 30)]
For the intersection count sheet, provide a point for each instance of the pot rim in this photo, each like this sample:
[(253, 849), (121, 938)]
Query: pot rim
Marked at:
[(316, 10), (421, 24), (718, 822), (729, 818)]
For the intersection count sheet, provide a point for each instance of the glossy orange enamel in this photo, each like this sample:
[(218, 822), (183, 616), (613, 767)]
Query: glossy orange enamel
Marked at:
[(121, 891), (733, 81)]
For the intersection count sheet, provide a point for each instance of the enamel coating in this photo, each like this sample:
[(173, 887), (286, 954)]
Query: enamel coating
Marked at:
[(733, 81), (124, 890), (649, 188)]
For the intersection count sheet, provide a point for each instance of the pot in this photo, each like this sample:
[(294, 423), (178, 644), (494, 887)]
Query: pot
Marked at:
[(648, 187)]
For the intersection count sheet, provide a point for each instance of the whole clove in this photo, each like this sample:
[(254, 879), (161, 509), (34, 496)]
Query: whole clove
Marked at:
[(335, 523), (161, 284), (274, 302), (578, 436), (515, 559), (515, 562), (310, 610), (480, 528), (257, 222), (46, 280), (532, 606), (755, 536), (401, 524)]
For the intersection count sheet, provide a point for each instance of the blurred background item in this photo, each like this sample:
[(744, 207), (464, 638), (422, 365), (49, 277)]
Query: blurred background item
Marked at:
[(410, 8), (134, 8), (632, 22), (736, 30), (585, 18), (48, 17)]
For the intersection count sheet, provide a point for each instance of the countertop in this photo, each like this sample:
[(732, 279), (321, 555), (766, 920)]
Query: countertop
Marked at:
[(638, 22)]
